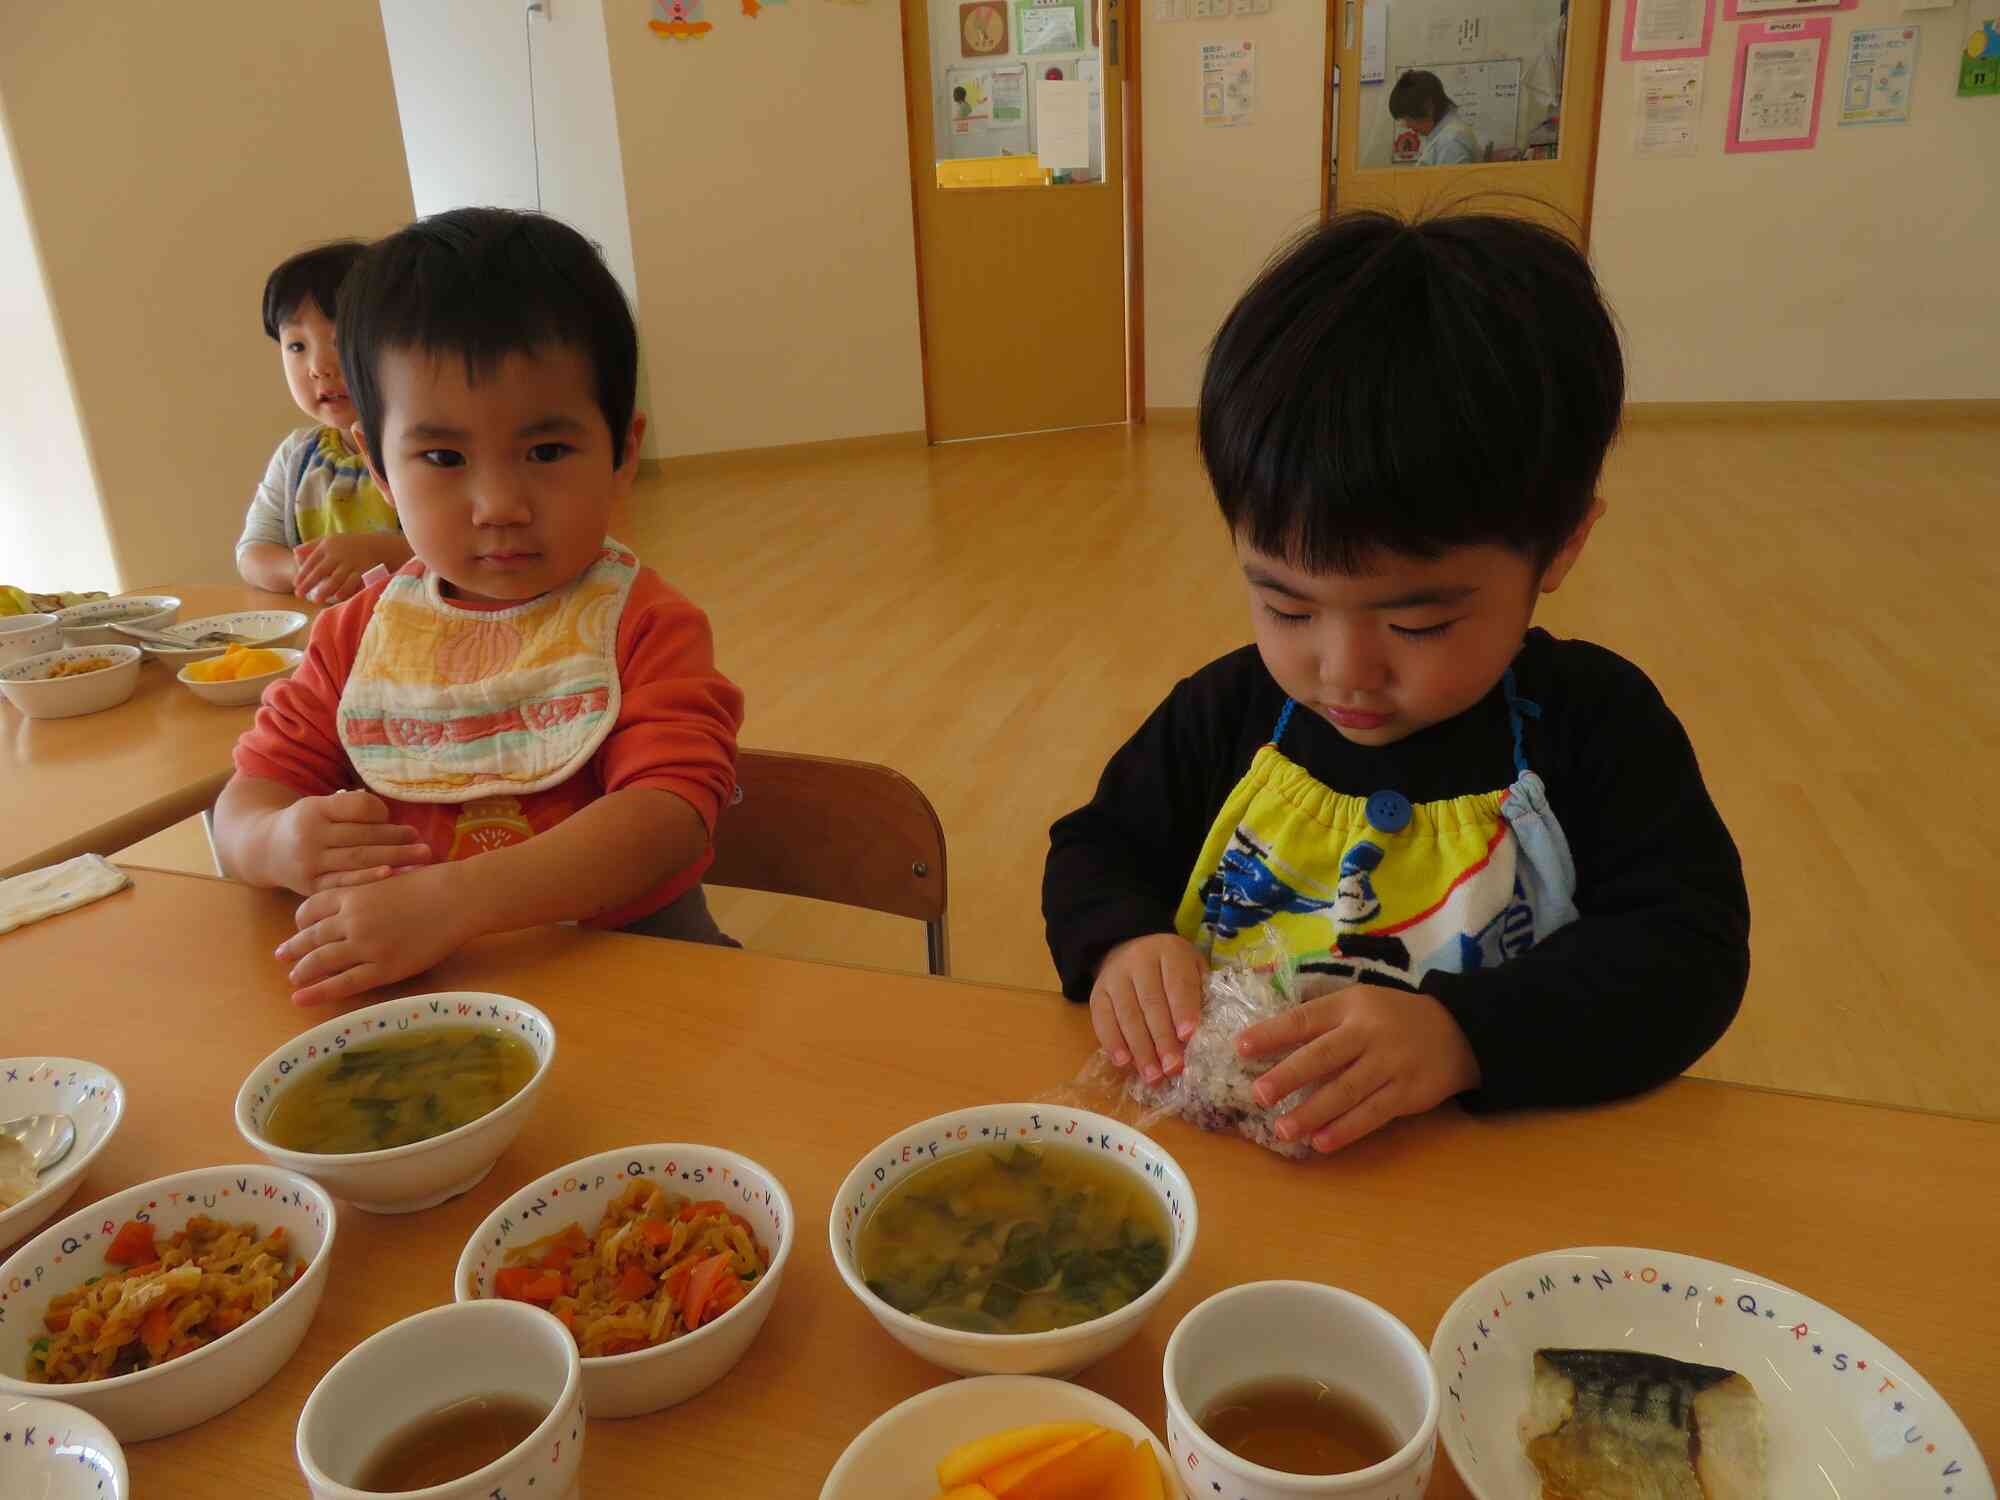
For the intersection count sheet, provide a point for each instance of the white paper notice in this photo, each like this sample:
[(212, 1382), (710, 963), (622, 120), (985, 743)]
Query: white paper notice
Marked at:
[(1779, 79), (1375, 42), (1667, 25), (1048, 29), (1228, 82), (1881, 62), (1668, 114), (1062, 123)]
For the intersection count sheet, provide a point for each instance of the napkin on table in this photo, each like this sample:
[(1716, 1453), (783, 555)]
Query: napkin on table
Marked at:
[(43, 893)]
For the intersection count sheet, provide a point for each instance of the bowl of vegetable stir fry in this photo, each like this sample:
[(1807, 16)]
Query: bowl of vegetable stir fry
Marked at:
[(663, 1262), (163, 1305)]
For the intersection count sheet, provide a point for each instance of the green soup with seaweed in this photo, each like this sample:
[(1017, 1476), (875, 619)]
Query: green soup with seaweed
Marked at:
[(400, 1090), (1014, 1239)]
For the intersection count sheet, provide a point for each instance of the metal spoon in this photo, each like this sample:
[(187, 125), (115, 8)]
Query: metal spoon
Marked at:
[(46, 1138), (181, 642)]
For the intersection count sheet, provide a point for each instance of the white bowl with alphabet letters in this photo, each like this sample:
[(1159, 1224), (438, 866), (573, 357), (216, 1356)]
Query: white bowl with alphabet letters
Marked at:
[(645, 1380), (192, 1387), (1060, 1351), (1837, 1400), (401, 1179)]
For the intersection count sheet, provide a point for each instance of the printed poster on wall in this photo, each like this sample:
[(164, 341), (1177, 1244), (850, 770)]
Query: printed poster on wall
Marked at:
[(1375, 42), (1659, 29), (1979, 68), (987, 108), (1780, 67), (1668, 108), (1048, 26), (1881, 66), (1228, 82)]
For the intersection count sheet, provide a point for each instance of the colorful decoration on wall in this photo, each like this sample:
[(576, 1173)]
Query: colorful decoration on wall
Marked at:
[(1979, 69), (681, 19), (982, 29)]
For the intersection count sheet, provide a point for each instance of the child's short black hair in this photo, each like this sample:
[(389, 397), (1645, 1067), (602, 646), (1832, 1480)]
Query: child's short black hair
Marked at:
[(1419, 95), (312, 276), (485, 283), (1388, 386)]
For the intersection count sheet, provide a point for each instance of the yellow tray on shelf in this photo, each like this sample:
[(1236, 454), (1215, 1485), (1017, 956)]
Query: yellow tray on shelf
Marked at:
[(991, 171)]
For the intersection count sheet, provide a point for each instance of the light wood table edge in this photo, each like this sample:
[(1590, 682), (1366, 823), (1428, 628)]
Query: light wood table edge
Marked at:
[(130, 827)]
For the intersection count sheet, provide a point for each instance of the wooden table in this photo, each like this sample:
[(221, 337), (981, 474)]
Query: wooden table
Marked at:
[(98, 782), (1886, 1215)]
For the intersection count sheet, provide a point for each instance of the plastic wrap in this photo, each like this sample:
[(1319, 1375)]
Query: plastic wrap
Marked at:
[(1213, 1088)]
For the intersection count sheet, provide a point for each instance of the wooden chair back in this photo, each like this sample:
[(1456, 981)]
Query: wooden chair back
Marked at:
[(835, 830)]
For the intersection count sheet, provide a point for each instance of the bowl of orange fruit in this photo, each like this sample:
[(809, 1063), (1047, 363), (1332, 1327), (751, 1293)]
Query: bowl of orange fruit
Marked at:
[(240, 674), (1004, 1437)]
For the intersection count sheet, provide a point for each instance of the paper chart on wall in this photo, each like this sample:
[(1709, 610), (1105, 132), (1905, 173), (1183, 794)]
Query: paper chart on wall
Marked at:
[(1047, 28), (1881, 69), (1668, 108), (1667, 28), (1780, 91), (1062, 123), (1228, 83), (987, 110), (1375, 41)]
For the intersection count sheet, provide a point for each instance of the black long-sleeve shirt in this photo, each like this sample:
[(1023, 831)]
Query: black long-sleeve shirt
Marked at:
[(1624, 998)]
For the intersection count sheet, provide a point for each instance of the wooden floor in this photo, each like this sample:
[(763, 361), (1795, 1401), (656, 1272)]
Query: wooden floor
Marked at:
[(1819, 602)]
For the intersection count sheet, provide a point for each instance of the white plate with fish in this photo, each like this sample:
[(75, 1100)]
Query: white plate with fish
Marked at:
[(1840, 1412)]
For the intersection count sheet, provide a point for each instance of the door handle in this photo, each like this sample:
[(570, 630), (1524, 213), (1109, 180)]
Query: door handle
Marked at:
[(1350, 25), (1111, 42)]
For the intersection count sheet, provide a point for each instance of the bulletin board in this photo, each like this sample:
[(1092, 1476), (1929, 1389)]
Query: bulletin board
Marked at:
[(1488, 96), (1040, 28)]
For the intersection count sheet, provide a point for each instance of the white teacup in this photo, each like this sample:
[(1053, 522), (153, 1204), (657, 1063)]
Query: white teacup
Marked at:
[(437, 1359), (1273, 1329), (22, 636)]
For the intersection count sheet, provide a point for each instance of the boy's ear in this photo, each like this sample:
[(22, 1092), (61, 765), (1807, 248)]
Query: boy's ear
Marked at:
[(359, 438), (628, 467), (1563, 561)]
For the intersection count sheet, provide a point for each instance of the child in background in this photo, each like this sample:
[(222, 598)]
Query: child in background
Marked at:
[(1419, 102), (1488, 852), (317, 522), (523, 690)]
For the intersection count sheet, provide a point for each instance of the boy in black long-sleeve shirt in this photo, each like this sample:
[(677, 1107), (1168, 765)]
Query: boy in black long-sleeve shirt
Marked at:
[(1488, 852)]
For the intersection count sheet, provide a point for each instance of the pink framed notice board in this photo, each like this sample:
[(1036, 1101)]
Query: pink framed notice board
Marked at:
[(1784, 53)]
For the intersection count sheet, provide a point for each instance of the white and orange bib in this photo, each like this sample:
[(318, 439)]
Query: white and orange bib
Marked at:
[(447, 704)]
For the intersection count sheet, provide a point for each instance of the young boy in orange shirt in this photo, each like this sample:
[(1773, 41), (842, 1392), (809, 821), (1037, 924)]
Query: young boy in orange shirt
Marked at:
[(523, 690)]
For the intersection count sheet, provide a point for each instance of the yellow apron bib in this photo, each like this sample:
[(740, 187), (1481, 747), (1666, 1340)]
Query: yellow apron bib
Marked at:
[(1377, 888)]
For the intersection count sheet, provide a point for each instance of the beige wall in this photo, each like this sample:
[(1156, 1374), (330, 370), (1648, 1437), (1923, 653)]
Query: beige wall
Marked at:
[(1220, 201), (170, 155), (1860, 270), (768, 180), (52, 534)]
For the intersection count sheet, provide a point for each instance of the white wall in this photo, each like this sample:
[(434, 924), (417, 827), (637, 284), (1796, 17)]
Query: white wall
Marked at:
[(461, 70), (55, 536), (1220, 202), (768, 174), (1860, 270)]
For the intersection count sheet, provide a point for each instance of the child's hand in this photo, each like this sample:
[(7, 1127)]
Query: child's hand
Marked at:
[(353, 938), (344, 839), (1375, 1053), (330, 569), (1147, 1002)]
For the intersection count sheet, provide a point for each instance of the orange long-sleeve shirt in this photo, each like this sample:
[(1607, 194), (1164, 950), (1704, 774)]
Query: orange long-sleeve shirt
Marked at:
[(676, 731)]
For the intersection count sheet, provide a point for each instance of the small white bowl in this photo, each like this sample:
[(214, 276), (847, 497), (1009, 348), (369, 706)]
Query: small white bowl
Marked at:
[(28, 635), (91, 1096), (259, 627), (1061, 1351), (895, 1457), (646, 1380), (49, 1451), (239, 691), (401, 1179), (437, 1359), (92, 624), (191, 1389), (27, 686), (1301, 1329), (1837, 1401)]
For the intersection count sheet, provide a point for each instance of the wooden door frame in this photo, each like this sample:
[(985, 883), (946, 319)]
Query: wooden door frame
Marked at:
[(1330, 115), (1133, 162)]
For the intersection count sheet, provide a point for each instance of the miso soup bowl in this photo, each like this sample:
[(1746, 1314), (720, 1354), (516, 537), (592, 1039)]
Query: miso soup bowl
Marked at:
[(646, 1380), (1061, 1351), (401, 1179), (182, 1392)]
